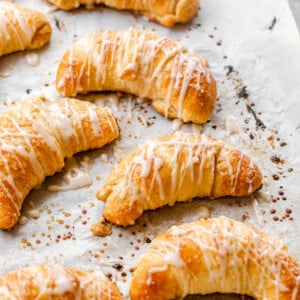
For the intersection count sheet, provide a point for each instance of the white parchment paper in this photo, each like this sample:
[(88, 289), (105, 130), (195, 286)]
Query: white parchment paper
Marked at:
[(253, 49)]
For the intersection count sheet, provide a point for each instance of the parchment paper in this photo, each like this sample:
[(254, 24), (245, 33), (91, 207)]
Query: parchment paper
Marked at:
[(253, 49)]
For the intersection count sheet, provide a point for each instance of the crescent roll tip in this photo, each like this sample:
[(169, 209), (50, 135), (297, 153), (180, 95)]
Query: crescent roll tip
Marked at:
[(22, 28)]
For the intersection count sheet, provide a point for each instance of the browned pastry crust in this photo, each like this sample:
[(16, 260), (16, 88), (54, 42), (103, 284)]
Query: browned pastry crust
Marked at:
[(142, 63), (22, 28), (54, 282), (216, 255), (175, 168), (166, 13), (35, 138)]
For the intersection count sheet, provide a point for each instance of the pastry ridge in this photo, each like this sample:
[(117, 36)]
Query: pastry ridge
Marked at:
[(216, 255), (177, 82), (56, 282), (166, 13), (22, 28), (175, 168), (35, 138)]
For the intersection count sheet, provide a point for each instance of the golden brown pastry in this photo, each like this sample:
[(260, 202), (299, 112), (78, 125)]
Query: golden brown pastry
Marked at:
[(142, 63), (22, 28), (175, 168), (166, 13), (216, 255), (54, 282), (35, 138)]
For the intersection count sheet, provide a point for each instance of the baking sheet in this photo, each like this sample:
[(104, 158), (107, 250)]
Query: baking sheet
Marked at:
[(253, 49)]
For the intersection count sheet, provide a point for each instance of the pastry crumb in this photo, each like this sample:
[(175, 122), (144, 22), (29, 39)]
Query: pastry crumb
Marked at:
[(101, 228)]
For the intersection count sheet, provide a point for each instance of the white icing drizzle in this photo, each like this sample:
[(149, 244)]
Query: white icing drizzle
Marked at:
[(257, 211), (177, 124), (114, 102), (32, 59), (155, 270), (203, 212), (104, 157), (265, 196), (224, 246), (74, 177), (95, 124), (63, 282), (197, 128), (51, 10), (118, 152), (232, 126), (191, 66), (33, 213)]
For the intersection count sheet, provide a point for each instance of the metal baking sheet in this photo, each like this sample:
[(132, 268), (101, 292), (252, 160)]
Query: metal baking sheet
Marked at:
[(253, 49)]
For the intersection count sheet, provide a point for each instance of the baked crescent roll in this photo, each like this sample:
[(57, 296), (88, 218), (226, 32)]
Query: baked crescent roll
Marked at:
[(35, 138), (142, 63), (57, 283), (216, 255), (175, 168), (22, 28), (166, 13)]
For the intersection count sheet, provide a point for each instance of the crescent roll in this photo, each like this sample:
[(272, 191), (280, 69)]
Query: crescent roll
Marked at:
[(54, 282), (166, 13), (216, 255), (142, 63), (175, 168), (35, 138), (22, 28)]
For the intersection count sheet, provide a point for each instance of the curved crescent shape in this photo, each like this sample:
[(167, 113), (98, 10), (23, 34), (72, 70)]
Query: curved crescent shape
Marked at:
[(216, 255), (175, 168), (166, 13), (57, 283), (35, 138), (22, 28), (143, 63)]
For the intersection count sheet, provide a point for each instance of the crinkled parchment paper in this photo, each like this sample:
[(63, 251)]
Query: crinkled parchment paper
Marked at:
[(253, 49)]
